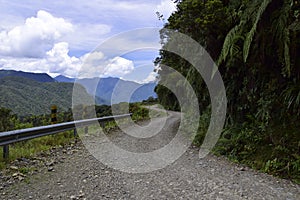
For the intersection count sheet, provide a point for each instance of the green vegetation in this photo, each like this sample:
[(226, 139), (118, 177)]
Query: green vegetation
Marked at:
[(10, 121), (39, 77), (32, 147), (28, 97), (256, 46), (27, 149), (150, 101)]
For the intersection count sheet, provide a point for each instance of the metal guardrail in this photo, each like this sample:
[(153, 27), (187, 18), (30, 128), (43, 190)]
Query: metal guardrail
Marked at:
[(11, 137)]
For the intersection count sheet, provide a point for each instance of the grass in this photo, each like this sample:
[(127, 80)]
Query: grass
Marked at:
[(30, 148), (250, 146)]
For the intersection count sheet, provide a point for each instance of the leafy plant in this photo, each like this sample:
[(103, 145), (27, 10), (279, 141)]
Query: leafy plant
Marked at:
[(256, 46)]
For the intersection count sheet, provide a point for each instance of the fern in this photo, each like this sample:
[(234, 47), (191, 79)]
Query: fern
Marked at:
[(229, 41), (283, 35), (236, 32), (250, 35), (291, 96), (287, 60)]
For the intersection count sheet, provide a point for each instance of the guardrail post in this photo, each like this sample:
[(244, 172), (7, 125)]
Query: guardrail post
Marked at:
[(10, 137), (53, 114), (86, 129), (5, 151), (75, 132), (102, 124)]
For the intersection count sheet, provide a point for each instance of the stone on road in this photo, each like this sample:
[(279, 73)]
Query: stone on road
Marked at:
[(82, 176)]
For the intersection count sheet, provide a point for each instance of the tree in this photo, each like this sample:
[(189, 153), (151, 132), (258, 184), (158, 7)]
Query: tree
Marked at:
[(5, 119), (256, 46), (204, 22)]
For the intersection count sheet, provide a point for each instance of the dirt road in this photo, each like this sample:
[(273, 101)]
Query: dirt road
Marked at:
[(78, 175)]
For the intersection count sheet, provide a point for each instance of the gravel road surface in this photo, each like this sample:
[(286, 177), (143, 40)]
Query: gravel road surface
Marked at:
[(73, 173)]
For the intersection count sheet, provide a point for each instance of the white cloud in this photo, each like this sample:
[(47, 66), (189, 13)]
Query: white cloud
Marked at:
[(92, 65), (97, 64), (92, 20), (23, 64), (118, 66), (133, 40), (87, 36), (34, 37), (93, 58), (56, 40), (57, 61), (151, 78), (60, 62), (9, 21), (166, 7)]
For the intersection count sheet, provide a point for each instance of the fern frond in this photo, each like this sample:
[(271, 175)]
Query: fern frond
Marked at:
[(287, 58), (229, 41), (235, 50), (291, 96), (250, 35), (283, 35)]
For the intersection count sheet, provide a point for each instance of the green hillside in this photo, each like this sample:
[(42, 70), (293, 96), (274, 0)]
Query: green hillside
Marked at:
[(256, 46), (28, 97)]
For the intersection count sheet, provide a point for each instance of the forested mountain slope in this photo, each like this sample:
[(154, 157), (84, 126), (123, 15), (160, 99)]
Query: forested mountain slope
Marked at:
[(28, 97), (256, 45)]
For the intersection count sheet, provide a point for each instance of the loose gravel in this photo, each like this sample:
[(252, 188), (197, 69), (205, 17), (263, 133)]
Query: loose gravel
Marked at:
[(71, 172)]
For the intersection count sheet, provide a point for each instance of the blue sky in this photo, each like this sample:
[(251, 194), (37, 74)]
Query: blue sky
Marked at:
[(57, 36)]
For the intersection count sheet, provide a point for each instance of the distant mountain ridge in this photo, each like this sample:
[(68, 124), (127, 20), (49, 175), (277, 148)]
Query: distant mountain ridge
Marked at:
[(113, 90), (64, 79), (28, 93), (40, 77)]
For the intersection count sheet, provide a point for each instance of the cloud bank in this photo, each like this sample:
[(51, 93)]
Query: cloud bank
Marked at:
[(34, 37), (57, 38)]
